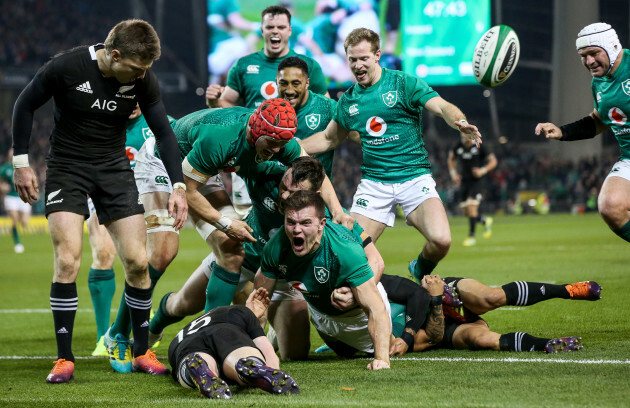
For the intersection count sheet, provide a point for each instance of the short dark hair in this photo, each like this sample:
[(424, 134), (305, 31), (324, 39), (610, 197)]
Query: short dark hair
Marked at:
[(134, 38), (294, 62), (276, 10), (362, 34), (303, 199), (308, 168)]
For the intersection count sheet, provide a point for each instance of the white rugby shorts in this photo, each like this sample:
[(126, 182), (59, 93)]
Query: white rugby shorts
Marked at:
[(150, 173), (378, 201), (620, 169), (352, 328), (13, 203)]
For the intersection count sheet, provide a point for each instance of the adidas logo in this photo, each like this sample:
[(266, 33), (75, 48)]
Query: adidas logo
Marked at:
[(62, 331), (145, 324), (85, 87), (542, 289)]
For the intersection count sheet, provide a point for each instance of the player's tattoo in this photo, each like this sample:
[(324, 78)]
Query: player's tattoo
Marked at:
[(435, 325)]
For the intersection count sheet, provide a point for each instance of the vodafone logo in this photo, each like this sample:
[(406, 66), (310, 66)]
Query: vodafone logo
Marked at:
[(299, 286), (376, 126), (617, 117), (269, 90), (131, 154)]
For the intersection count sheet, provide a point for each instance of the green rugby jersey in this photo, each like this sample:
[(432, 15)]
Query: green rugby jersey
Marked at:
[(138, 131), (265, 219), (262, 183), (339, 261), (6, 174), (612, 101), (313, 117), (388, 118), (254, 77), (215, 140)]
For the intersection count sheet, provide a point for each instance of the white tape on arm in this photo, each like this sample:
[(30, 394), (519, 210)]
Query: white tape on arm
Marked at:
[(19, 161), (189, 171)]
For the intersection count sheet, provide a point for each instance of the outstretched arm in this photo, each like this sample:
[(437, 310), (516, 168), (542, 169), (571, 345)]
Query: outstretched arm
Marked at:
[(326, 140), (370, 300), (453, 117)]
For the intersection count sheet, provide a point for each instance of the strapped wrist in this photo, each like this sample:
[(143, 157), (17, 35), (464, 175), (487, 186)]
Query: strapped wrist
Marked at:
[(179, 185), (19, 161), (223, 224), (436, 300), (584, 128), (407, 338)]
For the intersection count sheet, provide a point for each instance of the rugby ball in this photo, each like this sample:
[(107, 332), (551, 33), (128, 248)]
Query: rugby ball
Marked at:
[(496, 56)]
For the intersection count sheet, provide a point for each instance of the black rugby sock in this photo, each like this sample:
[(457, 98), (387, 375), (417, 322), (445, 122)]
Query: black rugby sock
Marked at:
[(63, 302), (139, 304), (528, 293), (519, 341)]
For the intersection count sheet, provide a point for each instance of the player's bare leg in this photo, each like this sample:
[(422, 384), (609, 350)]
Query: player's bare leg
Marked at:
[(66, 233), (430, 219), (614, 205), (373, 228)]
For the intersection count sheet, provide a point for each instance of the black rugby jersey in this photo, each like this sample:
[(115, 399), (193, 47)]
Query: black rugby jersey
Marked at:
[(91, 111), (470, 157)]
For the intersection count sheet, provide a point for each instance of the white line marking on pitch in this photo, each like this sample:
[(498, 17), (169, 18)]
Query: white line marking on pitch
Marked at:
[(512, 360)]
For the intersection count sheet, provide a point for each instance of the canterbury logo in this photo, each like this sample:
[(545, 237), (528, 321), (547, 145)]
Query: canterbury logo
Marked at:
[(162, 180), (85, 87), (362, 202)]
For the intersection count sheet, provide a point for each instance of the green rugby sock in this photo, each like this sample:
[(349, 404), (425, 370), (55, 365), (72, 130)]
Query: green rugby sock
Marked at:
[(162, 319), (155, 275), (221, 287), (122, 324), (16, 236), (624, 232), (424, 267), (102, 286)]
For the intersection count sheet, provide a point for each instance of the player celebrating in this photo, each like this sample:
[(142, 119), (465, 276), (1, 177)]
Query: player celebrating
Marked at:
[(228, 342), (313, 111), (384, 111), (600, 51), (475, 163), (95, 89), (252, 79), (315, 257)]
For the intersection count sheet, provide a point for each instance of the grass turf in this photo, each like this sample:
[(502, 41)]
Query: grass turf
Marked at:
[(555, 248)]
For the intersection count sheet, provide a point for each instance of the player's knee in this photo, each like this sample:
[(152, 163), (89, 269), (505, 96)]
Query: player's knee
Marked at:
[(160, 259), (66, 266), (441, 242), (494, 297), (613, 209), (136, 267), (103, 258)]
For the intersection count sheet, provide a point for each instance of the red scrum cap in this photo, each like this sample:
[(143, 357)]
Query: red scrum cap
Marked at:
[(274, 118)]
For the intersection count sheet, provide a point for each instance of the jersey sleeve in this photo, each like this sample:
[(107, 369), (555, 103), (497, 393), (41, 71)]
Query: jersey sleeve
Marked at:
[(353, 265), (269, 264), (290, 153), (150, 91), (205, 154), (338, 115), (234, 78), (246, 320), (418, 90)]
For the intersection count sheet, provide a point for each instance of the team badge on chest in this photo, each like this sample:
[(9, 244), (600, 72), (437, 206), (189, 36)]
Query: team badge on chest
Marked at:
[(625, 86), (390, 98), (312, 120), (321, 274)]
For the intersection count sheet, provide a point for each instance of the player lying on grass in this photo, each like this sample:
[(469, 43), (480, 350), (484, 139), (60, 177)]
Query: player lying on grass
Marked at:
[(466, 300), (228, 344)]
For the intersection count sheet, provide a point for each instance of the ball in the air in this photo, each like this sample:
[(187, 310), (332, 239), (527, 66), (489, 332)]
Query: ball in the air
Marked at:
[(496, 56)]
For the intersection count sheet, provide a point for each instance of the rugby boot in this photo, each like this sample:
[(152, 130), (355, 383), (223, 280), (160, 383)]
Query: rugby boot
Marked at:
[(206, 381), (563, 344), (254, 373), (149, 364), (62, 372), (587, 290)]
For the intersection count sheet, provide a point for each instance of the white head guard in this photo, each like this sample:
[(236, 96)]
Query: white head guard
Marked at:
[(600, 35)]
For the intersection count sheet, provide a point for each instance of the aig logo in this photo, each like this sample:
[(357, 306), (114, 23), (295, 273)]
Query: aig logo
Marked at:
[(104, 104), (269, 90), (376, 126)]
